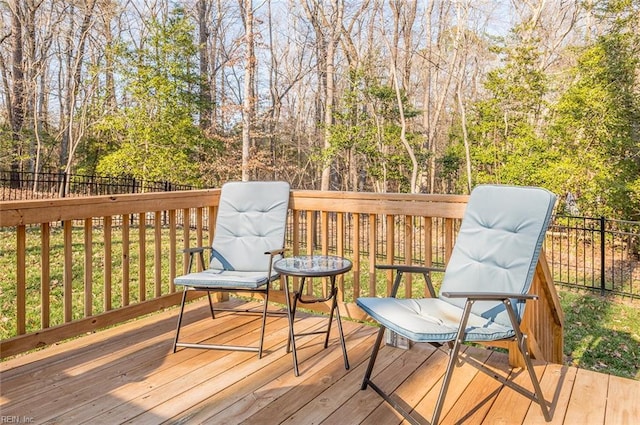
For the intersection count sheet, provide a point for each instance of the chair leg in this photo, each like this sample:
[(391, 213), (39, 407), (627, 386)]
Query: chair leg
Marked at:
[(453, 357), (372, 359), (451, 365), (534, 378), (213, 315), (264, 321), (521, 340), (184, 298)]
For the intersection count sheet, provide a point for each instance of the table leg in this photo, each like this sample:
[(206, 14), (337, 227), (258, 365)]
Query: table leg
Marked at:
[(334, 307), (291, 342)]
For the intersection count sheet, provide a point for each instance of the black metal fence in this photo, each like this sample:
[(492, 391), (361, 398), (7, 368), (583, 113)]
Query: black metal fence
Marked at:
[(595, 253), (29, 185), (598, 254)]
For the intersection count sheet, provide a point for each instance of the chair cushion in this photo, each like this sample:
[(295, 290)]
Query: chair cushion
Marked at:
[(213, 279), (498, 246), (430, 320), (251, 220)]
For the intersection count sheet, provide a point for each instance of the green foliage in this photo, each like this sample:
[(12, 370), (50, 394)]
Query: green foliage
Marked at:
[(155, 135), (505, 144), (451, 163), (518, 86), (595, 127), (6, 145), (585, 142)]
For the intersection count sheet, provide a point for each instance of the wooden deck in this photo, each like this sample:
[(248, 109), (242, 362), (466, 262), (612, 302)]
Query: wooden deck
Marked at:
[(128, 374)]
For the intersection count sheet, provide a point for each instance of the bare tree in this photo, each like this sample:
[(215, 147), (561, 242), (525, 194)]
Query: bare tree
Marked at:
[(17, 99), (355, 60), (327, 21), (202, 7), (72, 133), (399, 21), (249, 96)]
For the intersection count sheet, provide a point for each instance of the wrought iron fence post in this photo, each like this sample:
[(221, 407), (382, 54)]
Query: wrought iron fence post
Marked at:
[(602, 255), (63, 184)]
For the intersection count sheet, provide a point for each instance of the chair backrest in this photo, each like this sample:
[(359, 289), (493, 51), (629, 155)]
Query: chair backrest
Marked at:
[(251, 220), (498, 245)]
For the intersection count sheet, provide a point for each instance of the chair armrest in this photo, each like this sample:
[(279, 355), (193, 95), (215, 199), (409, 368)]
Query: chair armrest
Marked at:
[(274, 252), (197, 250), (489, 296), (404, 268)]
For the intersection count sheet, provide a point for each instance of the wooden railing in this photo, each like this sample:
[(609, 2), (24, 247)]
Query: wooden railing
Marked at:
[(86, 263)]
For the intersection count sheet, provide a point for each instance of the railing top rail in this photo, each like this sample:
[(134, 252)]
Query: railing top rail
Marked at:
[(334, 194), (14, 213), (433, 205)]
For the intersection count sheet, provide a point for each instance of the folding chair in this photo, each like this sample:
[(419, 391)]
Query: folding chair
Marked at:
[(248, 239), (484, 288)]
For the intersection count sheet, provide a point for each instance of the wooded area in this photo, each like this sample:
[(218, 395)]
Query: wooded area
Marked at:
[(426, 96)]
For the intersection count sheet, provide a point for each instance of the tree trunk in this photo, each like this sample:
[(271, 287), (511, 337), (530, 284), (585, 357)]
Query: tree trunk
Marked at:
[(465, 136), (247, 103), (398, 91), (205, 90), (325, 183), (17, 105), (75, 73)]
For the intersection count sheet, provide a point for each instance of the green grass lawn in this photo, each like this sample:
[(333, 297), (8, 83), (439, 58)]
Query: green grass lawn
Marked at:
[(601, 334)]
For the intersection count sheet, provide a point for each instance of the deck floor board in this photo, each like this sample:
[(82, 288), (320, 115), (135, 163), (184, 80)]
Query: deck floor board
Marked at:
[(129, 374)]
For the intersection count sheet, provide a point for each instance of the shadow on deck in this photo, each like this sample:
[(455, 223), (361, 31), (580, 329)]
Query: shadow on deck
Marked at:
[(128, 374)]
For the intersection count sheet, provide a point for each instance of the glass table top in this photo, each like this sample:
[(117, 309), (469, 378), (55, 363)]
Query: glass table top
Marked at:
[(312, 265)]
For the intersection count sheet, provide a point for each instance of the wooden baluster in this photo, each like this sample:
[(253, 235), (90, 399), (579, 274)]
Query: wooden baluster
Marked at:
[(173, 250), (45, 275), (88, 267), (340, 251), (21, 280), (356, 255), (428, 247), (126, 258), (391, 246), (408, 253), (142, 257), (157, 261), (67, 227), (372, 255), (107, 272)]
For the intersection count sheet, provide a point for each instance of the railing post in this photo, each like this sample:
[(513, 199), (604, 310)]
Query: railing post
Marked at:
[(602, 255)]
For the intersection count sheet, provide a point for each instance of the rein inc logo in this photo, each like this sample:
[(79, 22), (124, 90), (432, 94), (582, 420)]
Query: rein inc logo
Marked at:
[(16, 419)]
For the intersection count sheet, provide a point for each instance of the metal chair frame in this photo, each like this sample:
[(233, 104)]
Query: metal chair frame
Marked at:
[(259, 349), (454, 346)]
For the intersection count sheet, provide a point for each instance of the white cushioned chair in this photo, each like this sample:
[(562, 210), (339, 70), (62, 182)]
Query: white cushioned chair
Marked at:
[(484, 290), (248, 239)]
